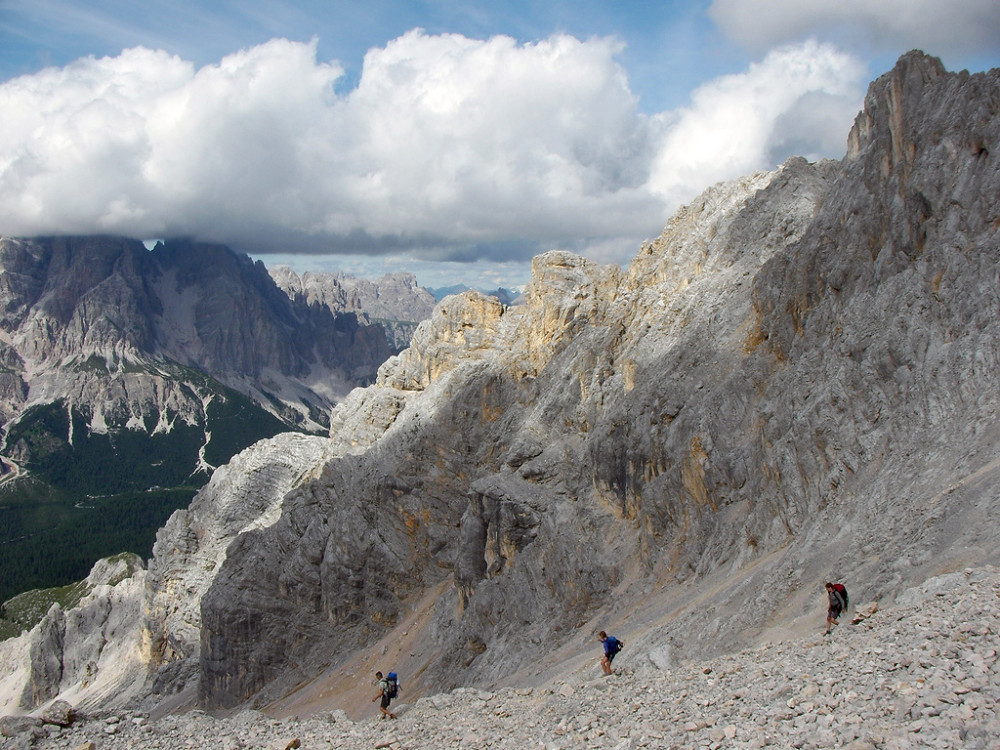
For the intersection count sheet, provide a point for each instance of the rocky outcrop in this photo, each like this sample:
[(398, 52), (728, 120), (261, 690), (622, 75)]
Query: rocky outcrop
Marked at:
[(135, 635), (242, 496), (87, 654), (794, 379)]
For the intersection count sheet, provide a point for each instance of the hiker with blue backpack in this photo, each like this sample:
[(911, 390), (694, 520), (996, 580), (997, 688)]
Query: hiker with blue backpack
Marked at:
[(388, 688), (611, 648)]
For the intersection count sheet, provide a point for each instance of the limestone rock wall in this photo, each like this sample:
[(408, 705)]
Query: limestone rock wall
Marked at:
[(795, 380), (88, 654), (241, 496), (135, 638)]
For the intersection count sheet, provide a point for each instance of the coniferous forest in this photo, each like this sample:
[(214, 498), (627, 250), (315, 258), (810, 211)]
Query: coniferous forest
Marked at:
[(107, 493)]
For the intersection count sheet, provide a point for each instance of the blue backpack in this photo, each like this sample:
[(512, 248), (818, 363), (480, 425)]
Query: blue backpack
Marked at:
[(393, 681), (614, 645)]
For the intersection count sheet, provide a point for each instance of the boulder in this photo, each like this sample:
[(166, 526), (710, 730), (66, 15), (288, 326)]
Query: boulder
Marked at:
[(59, 712)]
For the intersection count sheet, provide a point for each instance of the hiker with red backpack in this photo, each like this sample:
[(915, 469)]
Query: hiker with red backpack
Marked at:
[(837, 595)]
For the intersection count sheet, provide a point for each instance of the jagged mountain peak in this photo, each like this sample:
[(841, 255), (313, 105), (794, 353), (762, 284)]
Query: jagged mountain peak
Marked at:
[(197, 305), (395, 300), (711, 407)]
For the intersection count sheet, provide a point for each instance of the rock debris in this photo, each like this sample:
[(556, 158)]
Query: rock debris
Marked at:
[(923, 673)]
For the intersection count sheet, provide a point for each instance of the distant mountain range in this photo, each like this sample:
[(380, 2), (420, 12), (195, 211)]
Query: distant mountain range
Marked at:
[(394, 301), (506, 296), (127, 375), (796, 382)]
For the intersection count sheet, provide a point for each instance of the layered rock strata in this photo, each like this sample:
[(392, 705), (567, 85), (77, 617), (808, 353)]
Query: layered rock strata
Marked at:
[(103, 321)]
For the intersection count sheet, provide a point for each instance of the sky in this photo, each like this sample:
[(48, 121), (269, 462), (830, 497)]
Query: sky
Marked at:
[(454, 140)]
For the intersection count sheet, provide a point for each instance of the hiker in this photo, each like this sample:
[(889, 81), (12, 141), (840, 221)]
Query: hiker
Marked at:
[(611, 648), (385, 693), (836, 593)]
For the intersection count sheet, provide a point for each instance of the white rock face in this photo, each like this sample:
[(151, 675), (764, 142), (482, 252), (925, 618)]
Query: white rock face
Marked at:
[(242, 496), (88, 655)]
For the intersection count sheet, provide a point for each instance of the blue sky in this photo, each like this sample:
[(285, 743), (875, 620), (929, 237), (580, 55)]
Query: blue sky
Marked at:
[(452, 139), (661, 36)]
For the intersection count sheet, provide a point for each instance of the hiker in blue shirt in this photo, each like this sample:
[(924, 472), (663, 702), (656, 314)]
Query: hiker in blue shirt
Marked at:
[(611, 648)]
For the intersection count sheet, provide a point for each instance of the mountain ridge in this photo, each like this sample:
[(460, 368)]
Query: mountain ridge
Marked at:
[(395, 300), (794, 383), (564, 414), (135, 372)]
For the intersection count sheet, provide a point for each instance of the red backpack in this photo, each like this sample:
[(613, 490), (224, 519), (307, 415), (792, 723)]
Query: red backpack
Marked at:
[(842, 590)]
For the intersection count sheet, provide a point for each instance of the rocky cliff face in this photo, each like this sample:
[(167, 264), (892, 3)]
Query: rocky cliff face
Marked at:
[(87, 654), (395, 300), (76, 306), (135, 635), (127, 369), (800, 370), (796, 382)]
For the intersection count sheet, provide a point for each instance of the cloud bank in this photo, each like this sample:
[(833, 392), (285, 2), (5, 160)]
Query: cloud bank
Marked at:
[(448, 147), (938, 27)]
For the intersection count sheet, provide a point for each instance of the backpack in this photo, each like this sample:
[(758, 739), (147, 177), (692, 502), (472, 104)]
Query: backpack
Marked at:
[(614, 645), (393, 685), (842, 590)]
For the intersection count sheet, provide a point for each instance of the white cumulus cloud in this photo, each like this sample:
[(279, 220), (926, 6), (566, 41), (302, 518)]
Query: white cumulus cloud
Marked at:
[(447, 146), (739, 123)]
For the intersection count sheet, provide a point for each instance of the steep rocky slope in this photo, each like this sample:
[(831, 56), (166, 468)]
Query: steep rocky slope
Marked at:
[(797, 381), (126, 370), (921, 674), (147, 625)]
